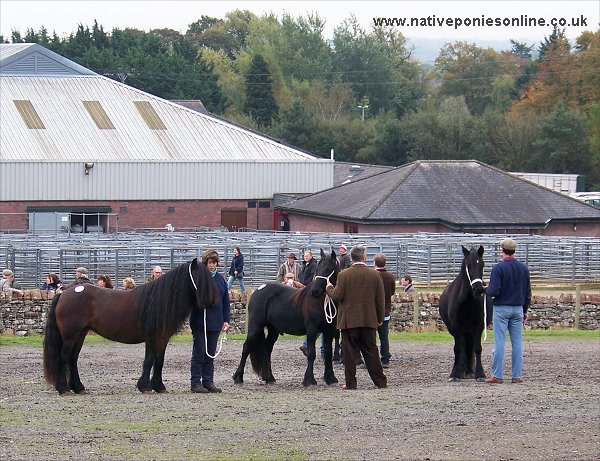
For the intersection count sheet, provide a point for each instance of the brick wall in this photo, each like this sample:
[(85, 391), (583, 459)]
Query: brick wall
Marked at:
[(146, 214)]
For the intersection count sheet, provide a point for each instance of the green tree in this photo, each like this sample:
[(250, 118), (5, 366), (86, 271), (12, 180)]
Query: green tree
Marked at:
[(562, 146), (468, 70), (260, 102)]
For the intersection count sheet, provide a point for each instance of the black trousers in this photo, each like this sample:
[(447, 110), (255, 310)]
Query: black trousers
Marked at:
[(365, 340)]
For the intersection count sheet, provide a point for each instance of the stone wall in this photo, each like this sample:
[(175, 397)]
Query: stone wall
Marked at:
[(24, 315)]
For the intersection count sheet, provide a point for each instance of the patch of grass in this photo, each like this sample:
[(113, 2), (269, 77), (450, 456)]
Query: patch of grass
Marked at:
[(408, 337), (38, 340)]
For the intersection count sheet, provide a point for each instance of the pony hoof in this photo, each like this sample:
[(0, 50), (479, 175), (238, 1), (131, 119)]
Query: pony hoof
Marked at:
[(271, 381), (452, 379), (146, 391), (470, 376), (81, 392)]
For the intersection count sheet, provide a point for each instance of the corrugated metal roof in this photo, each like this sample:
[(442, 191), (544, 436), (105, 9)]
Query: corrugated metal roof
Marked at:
[(71, 134), (454, 192)]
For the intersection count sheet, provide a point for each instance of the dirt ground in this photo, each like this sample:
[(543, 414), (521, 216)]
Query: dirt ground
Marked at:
[(554, 415)]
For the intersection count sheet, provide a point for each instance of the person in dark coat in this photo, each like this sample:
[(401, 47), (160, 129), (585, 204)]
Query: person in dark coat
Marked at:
[(206, 325), (389, 287), (236, 271), (361, 310), (309, 267), (52, 283), (345, 261), (81, 277)]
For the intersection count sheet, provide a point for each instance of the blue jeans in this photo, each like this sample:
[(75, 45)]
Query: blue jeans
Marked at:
[(305, 343), (508, 318), (240, 281)]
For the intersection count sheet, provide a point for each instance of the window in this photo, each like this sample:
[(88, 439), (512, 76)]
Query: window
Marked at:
[(171, 210), (149, 115), (252, 204), (350, 228), (123, 210), (29, 115), (264, 204), (98, 115)]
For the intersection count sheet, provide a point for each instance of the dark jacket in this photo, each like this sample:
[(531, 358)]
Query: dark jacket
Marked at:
[(308, 271), (217, 313), (345, 261), (389, 287), (51, 286), (510, 284), (360, 293), (79, 281), (237, 265)]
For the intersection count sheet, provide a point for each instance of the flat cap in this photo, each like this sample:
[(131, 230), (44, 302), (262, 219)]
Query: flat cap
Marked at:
[(82, 270), (509, 244)]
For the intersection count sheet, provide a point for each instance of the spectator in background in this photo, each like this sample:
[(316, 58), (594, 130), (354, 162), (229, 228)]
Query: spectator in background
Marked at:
[(389, 287), (156, 273), (52, 283), (236, 271), (104, 281), (344, 260), (128, 283), (8, 283), (309, 267), (406, 282), (81, 277), (290, 265)]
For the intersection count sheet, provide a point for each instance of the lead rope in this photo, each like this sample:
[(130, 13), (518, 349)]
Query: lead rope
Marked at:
[(222, 335), (484, 303), (329, 307)]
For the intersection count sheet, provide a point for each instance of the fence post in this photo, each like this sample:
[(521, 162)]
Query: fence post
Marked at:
[(415, 310), (577, 306)]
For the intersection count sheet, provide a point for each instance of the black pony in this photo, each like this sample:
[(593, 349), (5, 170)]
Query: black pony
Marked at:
[(150, 313), (462, 310), (282, 309)]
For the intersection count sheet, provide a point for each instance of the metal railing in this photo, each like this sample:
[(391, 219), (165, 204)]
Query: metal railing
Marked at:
[(428, 258)]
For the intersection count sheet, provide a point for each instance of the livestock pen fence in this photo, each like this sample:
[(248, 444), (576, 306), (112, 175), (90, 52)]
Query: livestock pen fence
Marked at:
[(429, 258)]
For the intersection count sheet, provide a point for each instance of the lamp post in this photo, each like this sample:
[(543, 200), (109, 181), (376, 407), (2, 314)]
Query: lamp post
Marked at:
[(363, 111)]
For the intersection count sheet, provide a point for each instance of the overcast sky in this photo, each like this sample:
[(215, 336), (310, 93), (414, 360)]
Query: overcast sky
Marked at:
[(64, 16)]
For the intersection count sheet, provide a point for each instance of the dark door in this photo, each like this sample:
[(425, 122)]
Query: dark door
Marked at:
[(234, 219)]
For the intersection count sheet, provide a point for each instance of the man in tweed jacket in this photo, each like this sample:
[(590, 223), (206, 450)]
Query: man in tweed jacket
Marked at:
[(360, 295)]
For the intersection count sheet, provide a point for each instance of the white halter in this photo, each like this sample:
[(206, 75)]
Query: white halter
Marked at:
[(224, 333), (484, 302), (328, 306)]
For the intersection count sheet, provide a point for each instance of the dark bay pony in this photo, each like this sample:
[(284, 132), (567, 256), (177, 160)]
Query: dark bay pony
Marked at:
[(461, 309), (282, 309), (150, 313)]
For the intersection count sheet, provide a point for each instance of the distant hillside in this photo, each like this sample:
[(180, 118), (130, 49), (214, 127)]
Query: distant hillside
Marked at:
[(427, 49)]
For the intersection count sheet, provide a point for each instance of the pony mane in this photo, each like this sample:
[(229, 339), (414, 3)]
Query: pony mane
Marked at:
[(166, 302), (303, 300)]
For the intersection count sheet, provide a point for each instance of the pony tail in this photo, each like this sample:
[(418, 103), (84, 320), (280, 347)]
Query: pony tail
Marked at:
[(259, 356), (52, 345)]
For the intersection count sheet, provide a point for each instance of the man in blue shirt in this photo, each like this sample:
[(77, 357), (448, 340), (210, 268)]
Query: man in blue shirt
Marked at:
[(510, 286)]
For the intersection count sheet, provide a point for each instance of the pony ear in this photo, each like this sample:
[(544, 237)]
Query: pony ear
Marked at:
[(480, 251), (465, 251), (333, 255), (322, 254)]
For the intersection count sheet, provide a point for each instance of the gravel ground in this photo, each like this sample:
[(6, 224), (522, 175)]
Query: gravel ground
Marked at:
[(554, 415)]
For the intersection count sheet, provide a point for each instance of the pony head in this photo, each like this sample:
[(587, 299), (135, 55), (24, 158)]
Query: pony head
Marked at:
[(327, 271), (473, 269)]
